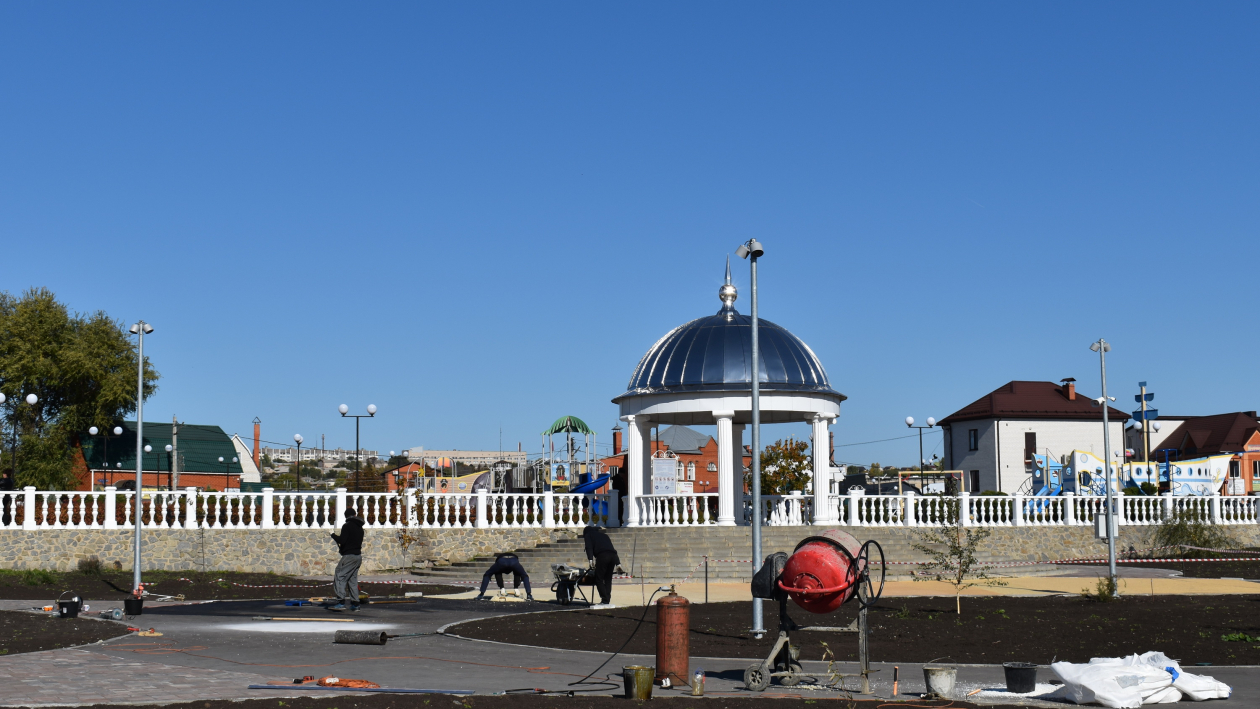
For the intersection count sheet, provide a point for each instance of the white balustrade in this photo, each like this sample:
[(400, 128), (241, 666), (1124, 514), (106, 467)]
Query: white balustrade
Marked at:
[(677, 510), (32, 509)]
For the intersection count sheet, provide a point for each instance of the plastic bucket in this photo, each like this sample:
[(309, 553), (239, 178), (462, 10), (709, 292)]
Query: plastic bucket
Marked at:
[(638, 681), (940, 680), (1021, 677), (133, 606), (68, 609)]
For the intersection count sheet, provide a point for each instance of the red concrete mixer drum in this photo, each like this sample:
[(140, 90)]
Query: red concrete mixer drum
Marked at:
[(824, 571)]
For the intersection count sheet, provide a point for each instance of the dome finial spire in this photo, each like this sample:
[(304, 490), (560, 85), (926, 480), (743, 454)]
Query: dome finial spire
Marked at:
[(727, 293)]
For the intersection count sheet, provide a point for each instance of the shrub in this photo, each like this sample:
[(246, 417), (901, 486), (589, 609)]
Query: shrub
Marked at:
[(90, 566), (1104, 590), (1187, 527)]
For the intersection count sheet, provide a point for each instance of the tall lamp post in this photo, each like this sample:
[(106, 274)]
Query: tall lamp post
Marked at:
[(297, 476), (345, 413), (140, 329), (1102, 348), (752, 251), (170, 466), (31, 400), (931, 422)]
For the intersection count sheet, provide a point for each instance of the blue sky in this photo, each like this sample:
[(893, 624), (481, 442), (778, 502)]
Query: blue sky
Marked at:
[(481, 215)]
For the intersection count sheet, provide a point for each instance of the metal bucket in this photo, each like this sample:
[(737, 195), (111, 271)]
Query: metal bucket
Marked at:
[(638, 681), (940, 680), (1021, 677)]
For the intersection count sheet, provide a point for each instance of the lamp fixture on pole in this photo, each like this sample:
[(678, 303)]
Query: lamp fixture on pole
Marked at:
[(1102, 348), (140, 329), (297, 460), (931, 423), (345, 413), (752, 251)]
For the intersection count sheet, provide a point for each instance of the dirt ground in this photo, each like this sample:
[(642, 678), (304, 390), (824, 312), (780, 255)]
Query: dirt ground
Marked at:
[(990, 630), (534, 701), (199, 586), (1209, 569), (30, 632)]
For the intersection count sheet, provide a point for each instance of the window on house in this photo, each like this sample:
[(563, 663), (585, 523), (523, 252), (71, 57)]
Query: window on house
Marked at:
[(691, 471), (712, 468), (975, 480), (1255, 468), (1030, 446), (973, 439)]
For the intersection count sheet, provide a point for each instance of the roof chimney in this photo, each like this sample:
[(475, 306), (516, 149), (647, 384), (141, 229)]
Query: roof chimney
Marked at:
[(616, 440), (1069, 388)]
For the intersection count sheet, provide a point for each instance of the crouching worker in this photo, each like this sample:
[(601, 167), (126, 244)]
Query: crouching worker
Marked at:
[(505, 563), (346, 577), (601, 552)]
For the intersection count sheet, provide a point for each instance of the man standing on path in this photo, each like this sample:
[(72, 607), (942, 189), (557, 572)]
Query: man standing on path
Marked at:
[(600, 550), (346, 577)]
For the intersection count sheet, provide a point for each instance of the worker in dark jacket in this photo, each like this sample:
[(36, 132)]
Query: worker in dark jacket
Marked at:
[(504, 563), (346, 577), (601, 552)]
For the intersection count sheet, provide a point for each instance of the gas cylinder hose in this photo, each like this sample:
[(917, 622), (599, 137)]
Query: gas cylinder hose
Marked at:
[(630, 637)]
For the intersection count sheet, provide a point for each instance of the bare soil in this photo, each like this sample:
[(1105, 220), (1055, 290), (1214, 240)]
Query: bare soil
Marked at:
[(990, 629), (114, 586), (21, 631)]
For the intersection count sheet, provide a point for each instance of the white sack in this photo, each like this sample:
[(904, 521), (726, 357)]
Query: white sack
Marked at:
[(1127, 683)]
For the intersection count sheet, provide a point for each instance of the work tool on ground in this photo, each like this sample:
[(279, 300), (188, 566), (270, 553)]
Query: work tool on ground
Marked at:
[(823, 573), (673, 651), (369, 637), (569, 582), (303, 618)]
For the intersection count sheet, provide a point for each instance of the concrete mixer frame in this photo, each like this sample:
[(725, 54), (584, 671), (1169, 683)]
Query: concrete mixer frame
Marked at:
[(783, 661)]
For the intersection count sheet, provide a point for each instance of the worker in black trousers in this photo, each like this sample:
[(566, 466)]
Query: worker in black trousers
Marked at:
[(600, 551), (505, 563)]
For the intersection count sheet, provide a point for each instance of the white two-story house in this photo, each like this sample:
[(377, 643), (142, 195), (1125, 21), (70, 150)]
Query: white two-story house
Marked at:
[(993, 438)]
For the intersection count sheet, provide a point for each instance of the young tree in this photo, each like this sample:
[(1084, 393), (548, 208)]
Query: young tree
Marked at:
[(785, 466), (82, 368), (956, 563)]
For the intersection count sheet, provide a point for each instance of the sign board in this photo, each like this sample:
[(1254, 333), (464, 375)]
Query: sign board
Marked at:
[(686, 488), (664, 476), (1237, 486), (1151, 414), (559, 475), (1252, 447)]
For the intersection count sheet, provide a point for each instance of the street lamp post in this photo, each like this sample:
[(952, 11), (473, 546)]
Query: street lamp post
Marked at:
[(170, 466), (1102, 348), (297, 477), (931, 422), (140, 329), (345, 413), (31, 400), (752, 251)]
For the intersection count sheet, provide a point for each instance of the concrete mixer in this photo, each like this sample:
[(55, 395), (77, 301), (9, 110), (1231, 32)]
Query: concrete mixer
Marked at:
[(823, 573)]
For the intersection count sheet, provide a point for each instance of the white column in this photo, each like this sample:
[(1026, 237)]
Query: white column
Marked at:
[(823, 514), (191, 505), (340, 508), (726, 469), (28, 508), (483, 521), (268, 498), (737, 472), (638, 460)]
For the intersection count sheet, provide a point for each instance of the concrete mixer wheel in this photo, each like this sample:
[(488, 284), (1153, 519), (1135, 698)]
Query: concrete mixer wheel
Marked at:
[(870, 591), (757, 678), (793, 679)]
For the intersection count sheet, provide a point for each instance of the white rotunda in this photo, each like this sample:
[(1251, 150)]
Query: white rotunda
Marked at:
[(700, 373)]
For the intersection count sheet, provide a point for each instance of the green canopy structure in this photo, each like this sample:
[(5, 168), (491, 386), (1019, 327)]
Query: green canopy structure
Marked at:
[(568, 424)]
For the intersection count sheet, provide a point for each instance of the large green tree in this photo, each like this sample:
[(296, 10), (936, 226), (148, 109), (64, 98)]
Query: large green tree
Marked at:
[(82, 368)]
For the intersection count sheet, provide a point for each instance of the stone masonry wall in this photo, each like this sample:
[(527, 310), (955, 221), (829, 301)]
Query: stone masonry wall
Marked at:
[(282, 551), (312, 552)]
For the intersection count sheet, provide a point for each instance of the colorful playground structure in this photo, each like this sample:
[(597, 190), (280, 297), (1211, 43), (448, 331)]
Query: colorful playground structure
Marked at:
[(1081, 473)]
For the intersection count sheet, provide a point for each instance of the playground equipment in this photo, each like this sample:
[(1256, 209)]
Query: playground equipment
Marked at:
[(822, 574), (1082, 473)]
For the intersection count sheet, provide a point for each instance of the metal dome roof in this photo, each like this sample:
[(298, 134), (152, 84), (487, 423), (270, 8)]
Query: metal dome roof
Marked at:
[(714, 353)]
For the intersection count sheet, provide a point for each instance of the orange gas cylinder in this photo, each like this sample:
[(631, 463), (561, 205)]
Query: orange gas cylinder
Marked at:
[(673, 648), (823, 572)]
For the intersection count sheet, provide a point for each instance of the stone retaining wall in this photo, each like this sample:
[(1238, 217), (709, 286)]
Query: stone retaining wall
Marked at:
[(311, 552), (282, 551)]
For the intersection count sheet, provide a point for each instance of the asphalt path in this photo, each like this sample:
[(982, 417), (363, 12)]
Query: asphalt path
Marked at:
[(224, 636)]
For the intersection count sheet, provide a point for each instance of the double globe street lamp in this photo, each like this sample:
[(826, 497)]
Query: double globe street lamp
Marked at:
[(345, 413), (31, 400), (931, 423)]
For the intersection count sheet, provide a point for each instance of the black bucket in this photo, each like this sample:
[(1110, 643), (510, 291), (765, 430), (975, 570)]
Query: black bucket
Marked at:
[(68, 609), (1021, 677), (133, 606)]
